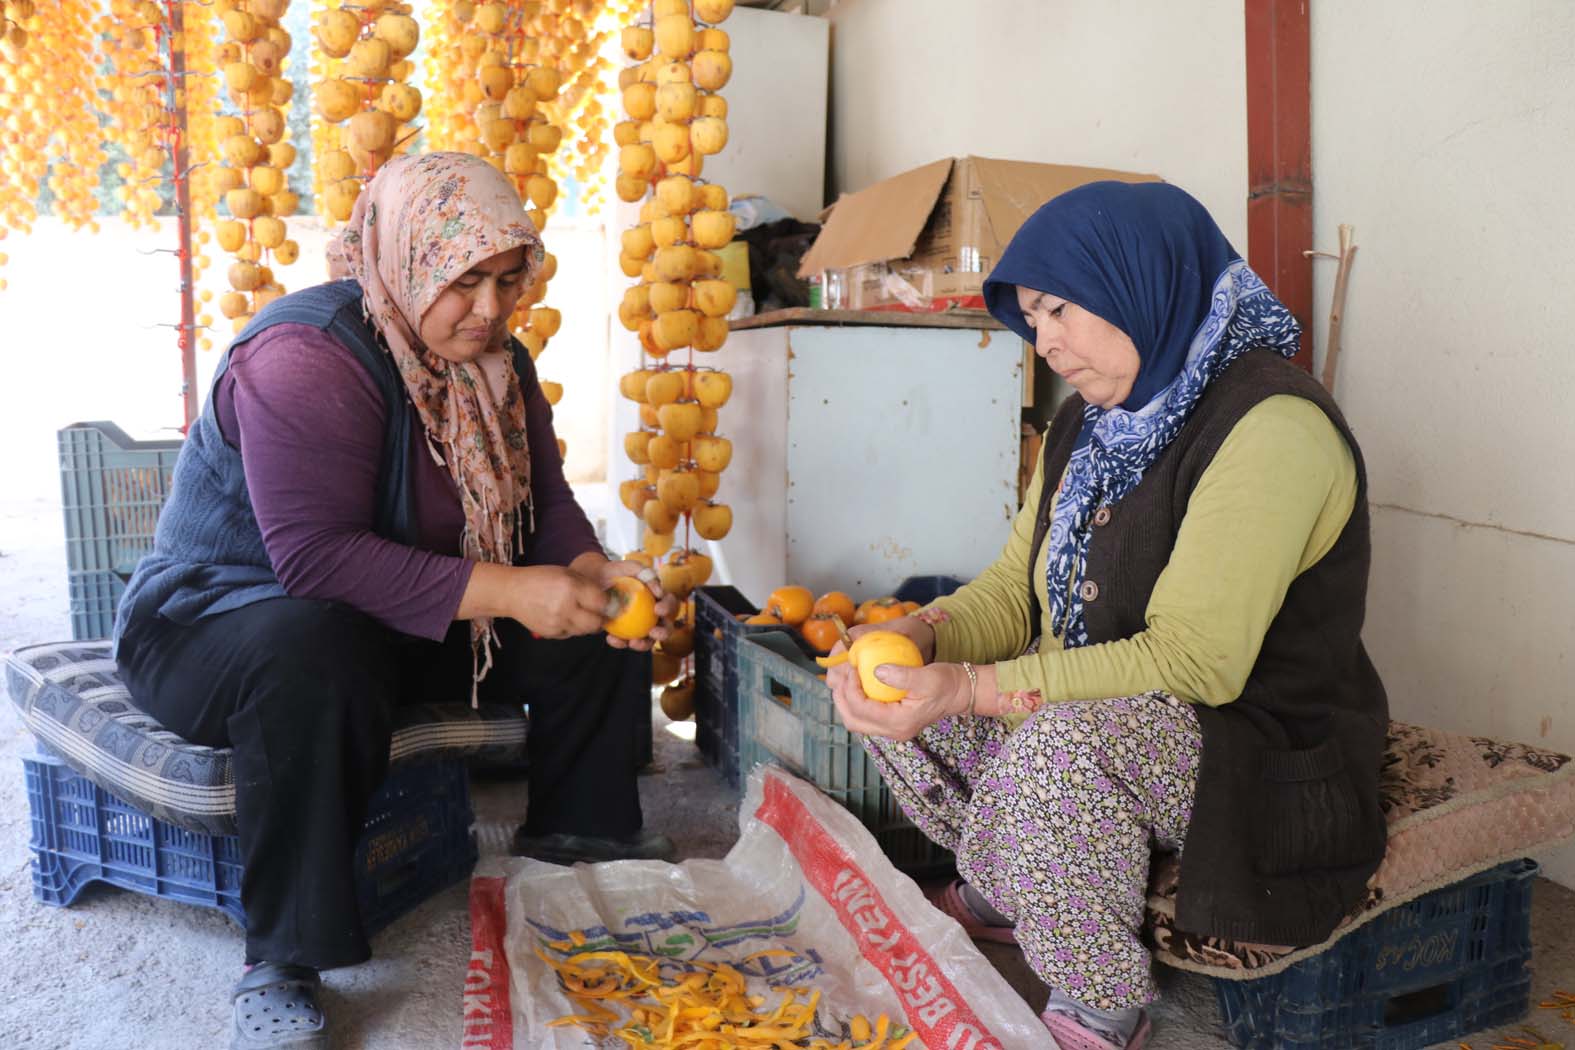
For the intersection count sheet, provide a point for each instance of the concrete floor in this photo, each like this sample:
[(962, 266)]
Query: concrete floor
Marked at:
[(123, 970), (120, 970)]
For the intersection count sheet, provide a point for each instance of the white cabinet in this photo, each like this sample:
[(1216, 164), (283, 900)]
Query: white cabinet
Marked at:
[(864, 454)]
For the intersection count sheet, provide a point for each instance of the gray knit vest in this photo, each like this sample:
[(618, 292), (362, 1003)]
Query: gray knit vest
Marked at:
[(208, 555)]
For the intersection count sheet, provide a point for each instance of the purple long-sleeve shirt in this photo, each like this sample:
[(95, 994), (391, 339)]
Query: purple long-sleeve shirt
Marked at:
[(308, 421)]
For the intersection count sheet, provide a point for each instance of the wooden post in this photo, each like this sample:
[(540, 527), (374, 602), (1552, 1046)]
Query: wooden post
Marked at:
[(1279, 155), (181, 159)]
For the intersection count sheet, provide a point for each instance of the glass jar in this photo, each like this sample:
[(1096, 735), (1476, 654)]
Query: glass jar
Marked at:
[(834, 290)]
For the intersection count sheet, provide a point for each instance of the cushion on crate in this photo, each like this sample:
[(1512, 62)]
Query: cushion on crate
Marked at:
[(1457, 805), (72, 699)]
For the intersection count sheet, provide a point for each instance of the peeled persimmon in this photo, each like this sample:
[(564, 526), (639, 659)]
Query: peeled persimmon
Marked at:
[(631, 609), (713, 521), (876, 649), (664, 667), (678, 700), (791, 604), (700, 566), (676, 576), (681, 642)]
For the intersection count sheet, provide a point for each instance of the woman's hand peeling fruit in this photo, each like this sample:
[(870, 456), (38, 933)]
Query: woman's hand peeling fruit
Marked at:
[(631, 609), (871, 651)]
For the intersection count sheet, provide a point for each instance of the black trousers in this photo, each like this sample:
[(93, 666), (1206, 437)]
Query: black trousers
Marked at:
[(305, 692)]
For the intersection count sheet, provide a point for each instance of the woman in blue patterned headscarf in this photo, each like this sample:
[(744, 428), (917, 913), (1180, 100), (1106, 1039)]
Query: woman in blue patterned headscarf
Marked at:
[(1141, 266), (1167, 654)]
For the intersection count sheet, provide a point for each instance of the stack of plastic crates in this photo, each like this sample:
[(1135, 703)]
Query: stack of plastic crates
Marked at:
[(1449, 963), (111, 489), (417, 836), (416, 841)]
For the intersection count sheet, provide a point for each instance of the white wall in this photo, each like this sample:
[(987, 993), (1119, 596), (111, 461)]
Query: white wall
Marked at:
[(1441, 132), (1105, 83)]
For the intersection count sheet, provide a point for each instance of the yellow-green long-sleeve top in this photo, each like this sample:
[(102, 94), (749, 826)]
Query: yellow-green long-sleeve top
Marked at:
[(1273, 500)]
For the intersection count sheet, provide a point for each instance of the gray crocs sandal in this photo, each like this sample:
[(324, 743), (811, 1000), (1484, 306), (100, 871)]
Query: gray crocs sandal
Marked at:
[(276, 1006)]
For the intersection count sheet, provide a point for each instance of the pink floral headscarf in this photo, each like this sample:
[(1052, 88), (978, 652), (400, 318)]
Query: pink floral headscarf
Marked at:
[(421, 224)]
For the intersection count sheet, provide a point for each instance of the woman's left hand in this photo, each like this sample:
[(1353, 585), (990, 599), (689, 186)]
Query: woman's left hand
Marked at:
[(666, 604), (935, 691)]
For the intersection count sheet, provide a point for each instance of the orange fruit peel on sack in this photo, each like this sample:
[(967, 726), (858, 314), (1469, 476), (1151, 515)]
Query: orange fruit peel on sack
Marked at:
[(640, 1000), (870, 651), (631, 609)]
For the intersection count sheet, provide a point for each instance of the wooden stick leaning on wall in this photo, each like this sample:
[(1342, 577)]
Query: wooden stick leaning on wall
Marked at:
[(1342, 276)]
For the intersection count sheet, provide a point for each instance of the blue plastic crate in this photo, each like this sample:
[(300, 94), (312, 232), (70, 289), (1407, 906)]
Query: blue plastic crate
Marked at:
[(717, 631), (112, 489), (790, 719), (925, 589), (1443, 966), (416, 841), (94, 596)]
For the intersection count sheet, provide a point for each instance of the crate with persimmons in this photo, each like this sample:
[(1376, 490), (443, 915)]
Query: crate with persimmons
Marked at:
[(721, 619), (722, 615)]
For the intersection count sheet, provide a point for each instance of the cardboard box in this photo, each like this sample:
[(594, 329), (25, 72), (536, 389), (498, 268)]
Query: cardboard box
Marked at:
[(926, 239)]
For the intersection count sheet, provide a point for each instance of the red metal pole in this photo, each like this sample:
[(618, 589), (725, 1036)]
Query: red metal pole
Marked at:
[(182, 178), (1279, 155)]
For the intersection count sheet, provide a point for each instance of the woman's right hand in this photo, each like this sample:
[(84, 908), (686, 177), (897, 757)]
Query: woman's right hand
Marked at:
[(556, 602)]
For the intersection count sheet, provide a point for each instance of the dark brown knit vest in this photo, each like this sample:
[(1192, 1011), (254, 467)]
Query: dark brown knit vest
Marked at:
[(1287, 826)]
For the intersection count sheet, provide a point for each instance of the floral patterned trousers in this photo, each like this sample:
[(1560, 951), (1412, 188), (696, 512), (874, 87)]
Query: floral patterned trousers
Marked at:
[(1055, 824)]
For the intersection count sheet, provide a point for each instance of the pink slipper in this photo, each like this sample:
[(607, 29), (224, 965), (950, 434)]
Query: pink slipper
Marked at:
[(949, 899), (1069, 1034)]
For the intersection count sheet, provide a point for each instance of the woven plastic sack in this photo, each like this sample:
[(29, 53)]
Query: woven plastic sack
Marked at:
[(805, 876)]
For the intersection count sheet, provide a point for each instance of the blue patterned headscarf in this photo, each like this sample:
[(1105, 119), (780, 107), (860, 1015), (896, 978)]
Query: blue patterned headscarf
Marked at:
[(1147, 258)]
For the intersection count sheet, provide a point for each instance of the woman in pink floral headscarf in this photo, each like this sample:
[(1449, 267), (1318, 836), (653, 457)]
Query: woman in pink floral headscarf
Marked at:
[(371, 511)]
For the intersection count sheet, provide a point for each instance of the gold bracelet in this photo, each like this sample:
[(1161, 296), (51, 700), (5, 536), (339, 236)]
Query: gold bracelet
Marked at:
[(973, 686)]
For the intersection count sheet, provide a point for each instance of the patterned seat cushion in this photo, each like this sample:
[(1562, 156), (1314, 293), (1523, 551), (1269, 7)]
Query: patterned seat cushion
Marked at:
[(72, 699), (1456, 805)]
